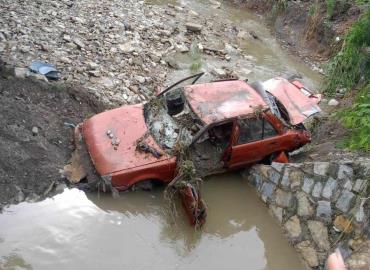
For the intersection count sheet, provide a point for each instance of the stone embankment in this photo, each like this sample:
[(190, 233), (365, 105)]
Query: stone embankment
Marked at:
[(321, 206)]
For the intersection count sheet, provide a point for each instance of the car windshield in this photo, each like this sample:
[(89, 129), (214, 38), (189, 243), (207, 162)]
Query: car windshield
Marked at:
[(170, 120)]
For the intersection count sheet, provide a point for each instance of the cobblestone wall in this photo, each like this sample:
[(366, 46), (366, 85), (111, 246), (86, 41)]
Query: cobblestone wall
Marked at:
[(321, 206)]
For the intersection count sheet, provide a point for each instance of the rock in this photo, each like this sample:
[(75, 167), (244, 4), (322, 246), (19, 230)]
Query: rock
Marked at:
[(276, 212), (319, 234), (92, 65), (65, 60), (343, 224), (172, 62), (193, 13), (348, 184), (283, 198), (308, 253), (317, 189), (359, 186), (25, 49), (219, 72), (255, 180), (345, 200), (293, 227), (242, 35), (200, 47), (107, 82), (345, 172), (273, 176), (20, 72), (333, 102), (193, 27), (285, 181), (307, 184), (304, 206), (94, 73), (323, 211), (67, 38), (321, 168), (60, 188), (140, 79), (182, 48), (278, 166), (35, 131), (253, 34), (156, 57), (79, 43), (295, 179), (329, 188), (215, 4), (267, 191), (126, 47)]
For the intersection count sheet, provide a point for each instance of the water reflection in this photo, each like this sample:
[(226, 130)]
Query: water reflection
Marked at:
[(14, 262), (135, 232)]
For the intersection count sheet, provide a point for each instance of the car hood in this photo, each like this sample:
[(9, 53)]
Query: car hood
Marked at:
[(299, 103), (126, 125)]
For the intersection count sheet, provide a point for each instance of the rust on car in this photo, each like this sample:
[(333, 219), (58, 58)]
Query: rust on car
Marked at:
[(218, 126)]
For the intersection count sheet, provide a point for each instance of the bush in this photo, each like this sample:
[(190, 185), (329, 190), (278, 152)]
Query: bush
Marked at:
[(352, 63)]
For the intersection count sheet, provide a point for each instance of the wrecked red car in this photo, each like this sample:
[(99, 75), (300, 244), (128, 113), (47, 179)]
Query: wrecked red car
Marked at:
[(223, 125)]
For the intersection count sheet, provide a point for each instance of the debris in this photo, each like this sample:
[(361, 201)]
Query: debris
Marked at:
[(144, 147), (48, 70), (74, 171), (343, 224)]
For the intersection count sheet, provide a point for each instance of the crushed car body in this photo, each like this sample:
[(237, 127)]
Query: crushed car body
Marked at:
[(221, 126)]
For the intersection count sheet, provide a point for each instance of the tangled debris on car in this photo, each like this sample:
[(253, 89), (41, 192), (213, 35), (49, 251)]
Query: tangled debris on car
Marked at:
[(188, 132)]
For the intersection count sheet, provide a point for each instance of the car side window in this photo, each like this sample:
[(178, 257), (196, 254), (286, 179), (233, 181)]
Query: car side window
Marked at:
[(250, 130), (269, 130), (254, 129)]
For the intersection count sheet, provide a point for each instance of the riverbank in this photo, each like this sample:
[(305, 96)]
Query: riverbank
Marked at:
[(314, 30)]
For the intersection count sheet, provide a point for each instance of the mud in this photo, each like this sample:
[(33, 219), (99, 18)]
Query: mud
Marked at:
[(36, 135)]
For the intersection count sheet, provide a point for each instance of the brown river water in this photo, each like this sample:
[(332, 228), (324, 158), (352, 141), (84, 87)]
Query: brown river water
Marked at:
[(75, 231)]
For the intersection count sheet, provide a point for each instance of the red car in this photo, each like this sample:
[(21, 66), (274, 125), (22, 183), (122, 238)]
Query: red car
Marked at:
[(223, 125)]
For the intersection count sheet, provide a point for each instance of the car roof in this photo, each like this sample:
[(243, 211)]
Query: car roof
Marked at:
[(217, 101)]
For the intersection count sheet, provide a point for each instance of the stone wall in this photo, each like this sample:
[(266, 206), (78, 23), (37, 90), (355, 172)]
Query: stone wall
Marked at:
[(321, 206)]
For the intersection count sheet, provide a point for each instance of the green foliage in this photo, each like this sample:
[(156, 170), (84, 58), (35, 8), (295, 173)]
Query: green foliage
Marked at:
[(314, 8), (196, 58), (357, 119), (330, 6), (352, 63)]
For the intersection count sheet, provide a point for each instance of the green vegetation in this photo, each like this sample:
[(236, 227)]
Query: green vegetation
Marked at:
[(196, 58), (350, 68), (330, 6), (352, 63), (357, 118)]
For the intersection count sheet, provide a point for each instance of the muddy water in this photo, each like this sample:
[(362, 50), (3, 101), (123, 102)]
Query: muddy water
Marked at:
[(72, 231)]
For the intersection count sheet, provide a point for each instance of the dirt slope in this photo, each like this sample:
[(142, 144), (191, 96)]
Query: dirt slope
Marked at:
[(34, 141)]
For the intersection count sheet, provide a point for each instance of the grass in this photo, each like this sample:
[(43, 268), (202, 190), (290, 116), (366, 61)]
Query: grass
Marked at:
[(352, 64), (350, 68), (357, 119)]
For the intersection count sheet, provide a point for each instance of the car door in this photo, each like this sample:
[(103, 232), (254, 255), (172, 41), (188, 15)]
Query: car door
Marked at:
[(257, 139), (210, 147)]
